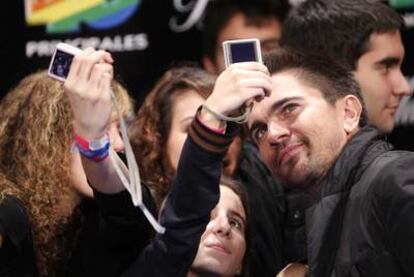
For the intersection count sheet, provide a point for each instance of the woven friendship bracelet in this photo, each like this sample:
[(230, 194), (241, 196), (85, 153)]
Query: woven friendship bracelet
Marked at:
[(96, 155), (95, 150)]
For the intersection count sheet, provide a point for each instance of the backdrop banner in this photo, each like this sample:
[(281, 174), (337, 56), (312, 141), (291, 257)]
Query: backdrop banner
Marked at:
[(145, 37)]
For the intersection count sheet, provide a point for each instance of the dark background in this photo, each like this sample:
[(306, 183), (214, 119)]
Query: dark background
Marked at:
[(137, 70)]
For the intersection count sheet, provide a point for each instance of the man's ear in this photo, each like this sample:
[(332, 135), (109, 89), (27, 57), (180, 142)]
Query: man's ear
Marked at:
[(209, 65), (352, 108)]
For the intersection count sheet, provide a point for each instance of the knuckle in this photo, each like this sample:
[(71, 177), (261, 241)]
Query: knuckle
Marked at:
[(90, 49), (239, 81), (233, 69), (97, 68), (77, 58)]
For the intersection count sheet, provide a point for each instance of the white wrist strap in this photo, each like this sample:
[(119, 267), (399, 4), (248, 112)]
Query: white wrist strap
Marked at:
[(134, 184), (238, 119)]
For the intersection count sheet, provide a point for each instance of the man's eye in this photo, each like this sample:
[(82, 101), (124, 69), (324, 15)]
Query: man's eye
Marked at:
[(289, 108), (385, 68)]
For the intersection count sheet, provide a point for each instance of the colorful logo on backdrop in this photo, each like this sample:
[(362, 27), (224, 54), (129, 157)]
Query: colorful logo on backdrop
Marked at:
[(64, 16), (402, 4)]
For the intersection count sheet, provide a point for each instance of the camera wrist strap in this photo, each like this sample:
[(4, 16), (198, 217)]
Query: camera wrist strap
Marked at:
[(133, 185), (237, 119)]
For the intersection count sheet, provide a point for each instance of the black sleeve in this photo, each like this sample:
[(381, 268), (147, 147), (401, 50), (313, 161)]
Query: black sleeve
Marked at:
[(16, 252), (194, 193), (121, 223), (113, 234), (394, 208)]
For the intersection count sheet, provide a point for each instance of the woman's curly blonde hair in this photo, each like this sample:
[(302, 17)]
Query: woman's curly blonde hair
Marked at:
[(150, 130), (35, 140)]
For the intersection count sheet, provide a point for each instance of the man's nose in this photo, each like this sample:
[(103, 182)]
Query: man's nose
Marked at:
[(401, 85), (277, 132)]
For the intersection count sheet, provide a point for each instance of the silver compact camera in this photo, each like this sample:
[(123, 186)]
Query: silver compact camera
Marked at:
[(61, 61), (242, 50)]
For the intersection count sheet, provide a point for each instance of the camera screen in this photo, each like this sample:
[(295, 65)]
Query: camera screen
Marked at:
[(243, 52), (61, 64)]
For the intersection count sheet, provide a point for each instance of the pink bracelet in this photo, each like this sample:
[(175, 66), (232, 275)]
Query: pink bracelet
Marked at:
[(215, 130)]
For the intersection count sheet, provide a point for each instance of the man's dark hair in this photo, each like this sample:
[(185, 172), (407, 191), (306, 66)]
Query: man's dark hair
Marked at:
[(331, 78), (219, 13), (339, 28)]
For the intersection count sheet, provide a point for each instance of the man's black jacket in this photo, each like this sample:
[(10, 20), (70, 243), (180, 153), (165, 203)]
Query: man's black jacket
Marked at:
[(364, 223)]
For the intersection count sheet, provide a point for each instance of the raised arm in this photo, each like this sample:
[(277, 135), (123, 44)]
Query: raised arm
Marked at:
[(88, 87), (195, 190)]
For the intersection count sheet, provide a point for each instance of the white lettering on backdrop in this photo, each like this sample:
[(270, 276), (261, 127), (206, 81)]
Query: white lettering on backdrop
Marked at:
[(118, 43), (195, 8)]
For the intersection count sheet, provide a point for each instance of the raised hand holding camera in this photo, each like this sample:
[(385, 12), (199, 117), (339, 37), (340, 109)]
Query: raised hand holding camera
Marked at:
[(242, 81), (89, 90), (87, 75), (62, 60), (242, 50)]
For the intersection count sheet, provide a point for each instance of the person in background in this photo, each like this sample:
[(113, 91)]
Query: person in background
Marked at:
[(366, 37), (158, 132), (240, 19)]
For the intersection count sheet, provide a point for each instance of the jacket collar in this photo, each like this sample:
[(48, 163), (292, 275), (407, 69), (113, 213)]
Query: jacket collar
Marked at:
[(324, 220), (357, 154)]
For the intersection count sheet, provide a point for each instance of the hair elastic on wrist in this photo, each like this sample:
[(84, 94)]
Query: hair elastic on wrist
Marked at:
[(237, 119)]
